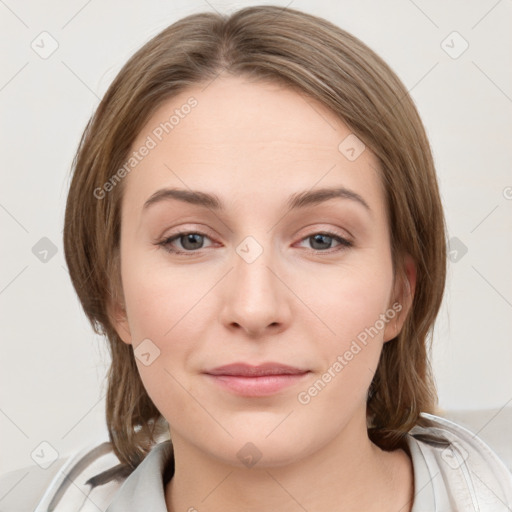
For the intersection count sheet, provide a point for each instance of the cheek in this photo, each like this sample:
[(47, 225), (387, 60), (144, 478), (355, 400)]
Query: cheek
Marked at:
[(352, 305), (347, 302), (349, 348), (169, 316), (157, 299)]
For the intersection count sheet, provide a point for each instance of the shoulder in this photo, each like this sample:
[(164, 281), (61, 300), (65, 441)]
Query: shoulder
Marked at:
[(455, 467), (86, 480)]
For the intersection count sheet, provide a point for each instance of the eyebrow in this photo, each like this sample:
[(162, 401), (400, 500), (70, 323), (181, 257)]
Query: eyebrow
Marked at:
[(297, 200)]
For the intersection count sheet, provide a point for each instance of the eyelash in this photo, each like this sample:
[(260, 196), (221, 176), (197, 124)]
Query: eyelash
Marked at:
[(165, 243)]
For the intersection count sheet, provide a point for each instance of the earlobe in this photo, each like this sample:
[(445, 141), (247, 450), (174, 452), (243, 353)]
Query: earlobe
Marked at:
[(403, 296)]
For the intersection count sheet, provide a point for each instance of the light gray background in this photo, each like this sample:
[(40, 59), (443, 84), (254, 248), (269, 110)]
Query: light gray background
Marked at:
[(53, 366)]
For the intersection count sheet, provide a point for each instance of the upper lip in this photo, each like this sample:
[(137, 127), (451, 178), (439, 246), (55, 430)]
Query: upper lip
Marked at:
[(247, 370)]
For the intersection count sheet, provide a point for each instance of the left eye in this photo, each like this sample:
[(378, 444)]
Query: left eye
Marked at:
[(323, 241)]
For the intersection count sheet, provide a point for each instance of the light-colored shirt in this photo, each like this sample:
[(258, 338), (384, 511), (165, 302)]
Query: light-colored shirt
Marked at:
[(453, 471)]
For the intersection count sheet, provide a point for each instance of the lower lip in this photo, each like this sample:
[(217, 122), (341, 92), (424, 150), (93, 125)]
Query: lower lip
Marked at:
[(264, 385)]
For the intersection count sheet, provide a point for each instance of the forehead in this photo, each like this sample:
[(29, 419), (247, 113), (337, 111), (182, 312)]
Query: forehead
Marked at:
[(236, 137)]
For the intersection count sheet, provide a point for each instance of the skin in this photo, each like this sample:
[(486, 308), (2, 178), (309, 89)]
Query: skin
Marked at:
[(253, 145)]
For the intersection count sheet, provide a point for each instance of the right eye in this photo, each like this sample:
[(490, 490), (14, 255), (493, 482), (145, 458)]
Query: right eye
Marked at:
[(190, 241)]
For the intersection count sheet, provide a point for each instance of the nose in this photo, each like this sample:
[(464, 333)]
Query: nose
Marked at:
[(255, 299)]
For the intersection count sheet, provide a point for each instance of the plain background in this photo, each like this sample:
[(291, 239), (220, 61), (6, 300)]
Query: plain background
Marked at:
[(52, 367)]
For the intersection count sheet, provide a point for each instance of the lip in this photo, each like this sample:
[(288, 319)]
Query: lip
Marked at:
[(252, 381)]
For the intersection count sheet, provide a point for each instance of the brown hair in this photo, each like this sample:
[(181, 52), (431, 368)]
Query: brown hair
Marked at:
[(326, 63)]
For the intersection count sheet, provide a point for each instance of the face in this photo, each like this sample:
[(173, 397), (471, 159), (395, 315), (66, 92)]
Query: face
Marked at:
[(256, 306)]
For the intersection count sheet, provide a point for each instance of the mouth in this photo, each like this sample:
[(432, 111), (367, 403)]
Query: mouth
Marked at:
[(253, 381)]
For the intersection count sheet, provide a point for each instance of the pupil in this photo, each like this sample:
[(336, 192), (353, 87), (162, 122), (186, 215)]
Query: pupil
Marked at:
[(321, 240), (191, 239)]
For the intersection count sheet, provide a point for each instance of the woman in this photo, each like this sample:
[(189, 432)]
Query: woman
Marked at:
[(254, 223)]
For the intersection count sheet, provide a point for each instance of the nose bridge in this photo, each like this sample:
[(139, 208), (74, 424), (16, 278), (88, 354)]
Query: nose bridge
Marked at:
[(255, 282), (256, 298)]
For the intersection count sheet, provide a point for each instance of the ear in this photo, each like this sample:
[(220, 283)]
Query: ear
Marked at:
[(119, 319), (402, 298), (116, 309)]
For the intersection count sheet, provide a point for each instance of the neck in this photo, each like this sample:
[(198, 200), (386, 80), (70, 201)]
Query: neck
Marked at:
[(350, 473)]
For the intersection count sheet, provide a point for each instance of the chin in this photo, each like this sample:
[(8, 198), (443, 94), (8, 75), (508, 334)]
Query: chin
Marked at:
[(253, 447)]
